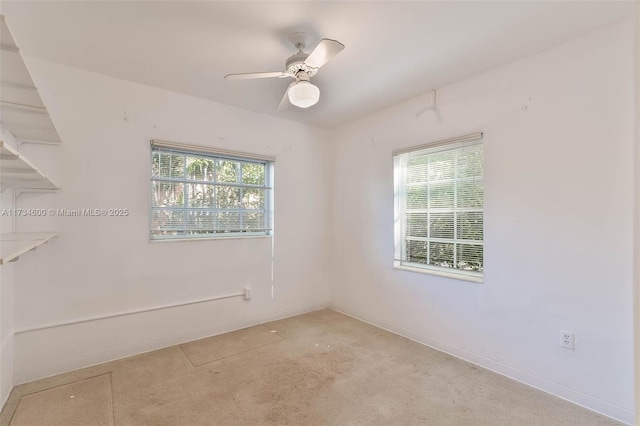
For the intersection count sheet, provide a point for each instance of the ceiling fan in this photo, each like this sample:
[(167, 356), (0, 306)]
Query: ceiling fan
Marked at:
[(301, 66)]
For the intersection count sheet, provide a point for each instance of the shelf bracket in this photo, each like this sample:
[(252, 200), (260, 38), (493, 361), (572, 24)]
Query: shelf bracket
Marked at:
[(33, 109), (11, 85), (9, 156), (18, 192), (37, 141)]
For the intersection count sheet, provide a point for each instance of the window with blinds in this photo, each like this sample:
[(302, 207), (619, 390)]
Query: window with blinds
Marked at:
[(208, 194), (439, 195)]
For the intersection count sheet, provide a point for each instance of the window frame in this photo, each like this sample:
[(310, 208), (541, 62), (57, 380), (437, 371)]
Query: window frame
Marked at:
[(401, 199), (213, 154)]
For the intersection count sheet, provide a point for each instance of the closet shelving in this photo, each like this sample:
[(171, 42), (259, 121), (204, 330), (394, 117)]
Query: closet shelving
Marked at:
[(22, 113), (21, 108), (18, 172), (14, 245)]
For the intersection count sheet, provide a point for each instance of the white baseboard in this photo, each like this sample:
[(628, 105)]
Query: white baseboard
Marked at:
[(29, 371), (574, 396), (66, 341), (4, 395)]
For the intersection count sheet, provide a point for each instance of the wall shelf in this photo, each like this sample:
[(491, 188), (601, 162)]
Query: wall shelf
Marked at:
[(21, 108), (18, 172), (22, 113), (25, 116), (14, 245)]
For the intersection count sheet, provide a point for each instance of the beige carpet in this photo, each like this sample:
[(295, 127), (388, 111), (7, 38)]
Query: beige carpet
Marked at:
[(320, 368)]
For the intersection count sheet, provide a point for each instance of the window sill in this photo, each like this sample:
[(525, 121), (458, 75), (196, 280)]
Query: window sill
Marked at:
[(231, 237), (453, 275)]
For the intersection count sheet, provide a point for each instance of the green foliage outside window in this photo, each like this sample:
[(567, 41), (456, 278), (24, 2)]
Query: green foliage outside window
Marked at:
[(442, 200), (198, 194)]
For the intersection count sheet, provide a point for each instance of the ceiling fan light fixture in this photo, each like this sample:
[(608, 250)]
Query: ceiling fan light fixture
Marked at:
[(303, 94), (301, 66)]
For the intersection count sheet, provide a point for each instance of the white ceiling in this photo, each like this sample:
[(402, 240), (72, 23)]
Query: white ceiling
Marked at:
[(394, 50)]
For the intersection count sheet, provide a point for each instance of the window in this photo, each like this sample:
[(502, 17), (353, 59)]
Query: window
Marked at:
[(209, 193), (439, 195)]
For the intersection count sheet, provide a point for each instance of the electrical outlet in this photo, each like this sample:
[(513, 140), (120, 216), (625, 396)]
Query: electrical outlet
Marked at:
[(247, 293), (567, 339)]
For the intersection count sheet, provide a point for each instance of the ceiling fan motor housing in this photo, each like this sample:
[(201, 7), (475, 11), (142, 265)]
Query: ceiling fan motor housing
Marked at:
[(295, 63)]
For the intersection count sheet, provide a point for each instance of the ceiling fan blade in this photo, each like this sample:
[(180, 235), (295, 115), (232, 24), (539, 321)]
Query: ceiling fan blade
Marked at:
[(284, 102), (251, 75), (323, 52)]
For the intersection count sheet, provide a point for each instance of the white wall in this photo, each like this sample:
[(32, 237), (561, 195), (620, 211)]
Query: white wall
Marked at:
[(6, 291), (637, 223), (559, 171), (6, 313), (559, 132), (99, 266)]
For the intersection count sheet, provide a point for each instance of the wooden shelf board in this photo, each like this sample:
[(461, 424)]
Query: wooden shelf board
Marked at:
[(14, 245), (18, 172), (17, 90)]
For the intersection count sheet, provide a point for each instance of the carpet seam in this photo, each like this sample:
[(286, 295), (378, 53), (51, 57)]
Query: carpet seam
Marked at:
[(65, 384), (239, 353), (187, 357), (271, 330), (14, 412), (113, 404)]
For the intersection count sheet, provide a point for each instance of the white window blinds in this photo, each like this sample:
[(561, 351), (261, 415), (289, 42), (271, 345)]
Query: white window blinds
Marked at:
[(197, 194), (439, 194)]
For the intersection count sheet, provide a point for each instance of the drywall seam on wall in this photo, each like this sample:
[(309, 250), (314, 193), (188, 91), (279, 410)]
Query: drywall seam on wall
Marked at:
[(576, 397), (30, 366)]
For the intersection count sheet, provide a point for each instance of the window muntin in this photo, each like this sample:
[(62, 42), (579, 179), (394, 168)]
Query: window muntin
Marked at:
[(439, 199), (203, 195)]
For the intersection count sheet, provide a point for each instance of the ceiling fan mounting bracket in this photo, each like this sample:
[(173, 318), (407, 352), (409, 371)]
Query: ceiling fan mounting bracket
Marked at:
[(299, 40)]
